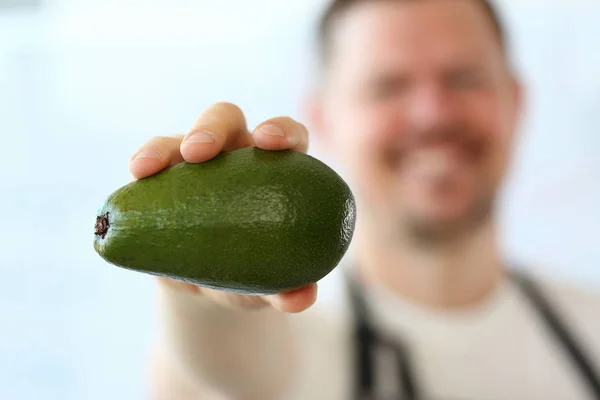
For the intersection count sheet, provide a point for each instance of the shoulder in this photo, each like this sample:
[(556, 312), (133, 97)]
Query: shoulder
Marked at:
[(578, 306), (580, 301)]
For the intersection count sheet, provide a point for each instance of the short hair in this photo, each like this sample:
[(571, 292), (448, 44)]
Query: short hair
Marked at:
[(336, 8)]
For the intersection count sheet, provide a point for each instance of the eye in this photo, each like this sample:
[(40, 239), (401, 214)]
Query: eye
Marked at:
[(465, 79), (385, 88)]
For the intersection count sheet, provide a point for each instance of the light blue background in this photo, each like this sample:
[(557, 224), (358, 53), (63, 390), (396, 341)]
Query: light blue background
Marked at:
[(82, 85)]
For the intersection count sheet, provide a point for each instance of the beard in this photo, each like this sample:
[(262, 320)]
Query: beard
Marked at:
[(429, 233), (474, 148)]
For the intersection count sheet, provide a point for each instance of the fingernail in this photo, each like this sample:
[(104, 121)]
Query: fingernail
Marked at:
[(273, 130), (148, 153), (200, 137)]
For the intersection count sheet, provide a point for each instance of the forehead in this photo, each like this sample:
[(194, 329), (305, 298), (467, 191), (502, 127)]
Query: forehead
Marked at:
[(413, 33)]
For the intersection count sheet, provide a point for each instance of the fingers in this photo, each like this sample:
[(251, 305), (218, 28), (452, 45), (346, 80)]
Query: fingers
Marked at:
[(221, 127), (178, 285), (281, 133), (155, 155), (227, 299), (295, 301)]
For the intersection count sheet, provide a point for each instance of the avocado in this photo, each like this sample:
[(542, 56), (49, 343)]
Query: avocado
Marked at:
[(248, 221)]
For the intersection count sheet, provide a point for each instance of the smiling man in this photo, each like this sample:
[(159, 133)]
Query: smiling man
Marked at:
[(418, 101)]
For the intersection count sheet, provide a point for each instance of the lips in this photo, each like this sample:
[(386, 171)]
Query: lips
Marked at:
[(443, 163)]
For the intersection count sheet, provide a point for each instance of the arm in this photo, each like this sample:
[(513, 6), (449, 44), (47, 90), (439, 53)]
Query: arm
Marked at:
[(213, 341), (207, 347)]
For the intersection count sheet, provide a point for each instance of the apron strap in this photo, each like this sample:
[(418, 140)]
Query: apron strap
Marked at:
[(367, 341), (560, 331)]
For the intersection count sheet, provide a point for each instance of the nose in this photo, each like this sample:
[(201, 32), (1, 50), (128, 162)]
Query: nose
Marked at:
[(431, 106)]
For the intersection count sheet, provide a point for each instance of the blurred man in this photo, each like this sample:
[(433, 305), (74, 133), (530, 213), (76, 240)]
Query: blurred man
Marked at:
[(418, 102)]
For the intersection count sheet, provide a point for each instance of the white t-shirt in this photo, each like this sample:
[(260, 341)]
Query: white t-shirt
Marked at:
[(500, 350)]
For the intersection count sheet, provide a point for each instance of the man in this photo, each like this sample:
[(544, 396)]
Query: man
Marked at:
[(419, 103)]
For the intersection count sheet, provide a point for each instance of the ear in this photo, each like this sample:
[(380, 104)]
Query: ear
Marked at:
[(518, 93), (312, 110)]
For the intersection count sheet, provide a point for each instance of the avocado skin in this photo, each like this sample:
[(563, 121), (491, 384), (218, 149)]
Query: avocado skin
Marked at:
[(249, 221)]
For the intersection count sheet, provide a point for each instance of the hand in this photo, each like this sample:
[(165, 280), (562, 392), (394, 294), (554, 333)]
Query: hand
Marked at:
[(223, 127)]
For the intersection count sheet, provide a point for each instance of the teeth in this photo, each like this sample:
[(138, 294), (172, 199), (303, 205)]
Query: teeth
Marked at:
[(434, 163)]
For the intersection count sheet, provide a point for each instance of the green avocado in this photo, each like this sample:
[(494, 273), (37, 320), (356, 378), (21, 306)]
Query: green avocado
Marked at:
[(248, 221)]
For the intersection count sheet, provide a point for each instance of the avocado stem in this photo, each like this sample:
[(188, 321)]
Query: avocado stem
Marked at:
[(102, 225)]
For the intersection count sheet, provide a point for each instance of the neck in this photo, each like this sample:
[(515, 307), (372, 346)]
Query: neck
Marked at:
[(445, 277)]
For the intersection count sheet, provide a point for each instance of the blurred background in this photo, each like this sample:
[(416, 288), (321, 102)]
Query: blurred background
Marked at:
[(84, 83)]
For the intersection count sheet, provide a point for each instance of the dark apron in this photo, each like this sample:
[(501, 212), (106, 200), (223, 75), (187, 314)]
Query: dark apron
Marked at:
[(367, 343)]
